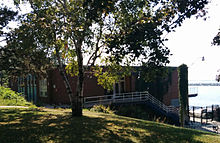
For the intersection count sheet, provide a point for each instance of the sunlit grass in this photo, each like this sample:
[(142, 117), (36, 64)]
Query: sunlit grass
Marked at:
[(56, 125)]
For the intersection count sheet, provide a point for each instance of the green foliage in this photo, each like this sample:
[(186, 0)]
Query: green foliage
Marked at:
[(158, 86), (4, 79), (7, 93), (141, 112), (132, 111), (142, 24), (102, 109), (11, 98), (152, 72), (123, 31), (105, 78), (110, 73), (6, 15), (72, 66), (22, 54), (183, 92)]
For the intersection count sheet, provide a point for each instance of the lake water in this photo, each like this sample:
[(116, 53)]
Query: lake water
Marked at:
[(207, 95)]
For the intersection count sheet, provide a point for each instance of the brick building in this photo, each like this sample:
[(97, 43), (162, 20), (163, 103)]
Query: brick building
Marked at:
[(52, 90)]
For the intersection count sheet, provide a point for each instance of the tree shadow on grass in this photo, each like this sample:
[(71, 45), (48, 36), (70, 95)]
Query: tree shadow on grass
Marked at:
[(36, 127), (15, 114), (33, 128)]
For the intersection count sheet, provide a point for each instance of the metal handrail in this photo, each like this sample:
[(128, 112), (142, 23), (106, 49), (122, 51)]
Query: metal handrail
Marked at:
[(127, 97)]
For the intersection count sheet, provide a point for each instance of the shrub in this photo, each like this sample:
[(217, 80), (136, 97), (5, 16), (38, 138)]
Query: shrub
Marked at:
[(132, 111), (9, 97), (141, 112), (102, 109)]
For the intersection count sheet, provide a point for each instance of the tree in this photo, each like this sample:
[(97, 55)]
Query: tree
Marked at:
[(101, 32), (183, 93), (216, 41), (6, 15)]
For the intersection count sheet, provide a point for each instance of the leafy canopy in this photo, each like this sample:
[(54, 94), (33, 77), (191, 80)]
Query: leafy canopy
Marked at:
[(90, 32)]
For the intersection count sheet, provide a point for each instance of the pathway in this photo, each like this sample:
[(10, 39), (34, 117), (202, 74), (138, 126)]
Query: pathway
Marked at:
[(13, 107)]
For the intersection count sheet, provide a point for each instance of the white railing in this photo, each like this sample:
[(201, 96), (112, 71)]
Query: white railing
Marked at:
[(127, 98)]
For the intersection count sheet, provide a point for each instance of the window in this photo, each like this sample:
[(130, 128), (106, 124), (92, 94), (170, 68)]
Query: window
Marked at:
[(21, 85), (43, 87), (120, 86), (175, 102)]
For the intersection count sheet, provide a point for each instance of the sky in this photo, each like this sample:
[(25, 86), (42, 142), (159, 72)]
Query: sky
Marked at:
[(193, 40)]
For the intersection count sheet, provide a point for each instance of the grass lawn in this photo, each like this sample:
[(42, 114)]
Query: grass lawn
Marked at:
[(56, 125)]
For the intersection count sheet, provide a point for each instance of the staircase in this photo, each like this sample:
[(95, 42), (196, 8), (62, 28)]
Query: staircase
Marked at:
[(134, 97)]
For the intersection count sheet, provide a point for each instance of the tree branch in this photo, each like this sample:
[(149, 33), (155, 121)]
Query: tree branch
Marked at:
[(94, 56), (63, 3)]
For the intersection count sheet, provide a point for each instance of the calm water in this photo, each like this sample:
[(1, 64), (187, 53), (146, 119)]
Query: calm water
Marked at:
[(207, 95)]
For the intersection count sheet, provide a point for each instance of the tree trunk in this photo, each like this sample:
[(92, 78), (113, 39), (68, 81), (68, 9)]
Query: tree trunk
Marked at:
[(77, 103), (65, 78), (66, 83), (182, 117)]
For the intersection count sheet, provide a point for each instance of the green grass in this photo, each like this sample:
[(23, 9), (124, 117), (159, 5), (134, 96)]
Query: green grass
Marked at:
[(12, 98), (56, 125)]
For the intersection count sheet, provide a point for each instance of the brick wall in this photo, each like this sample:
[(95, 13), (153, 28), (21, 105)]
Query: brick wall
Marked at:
[(173, 91), (57, 92)]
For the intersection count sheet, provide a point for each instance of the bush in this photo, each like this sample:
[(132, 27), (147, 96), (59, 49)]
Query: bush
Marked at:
[(134, 111), (141, 112), (9, 97), (102, 109)]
